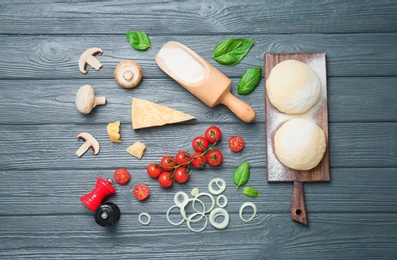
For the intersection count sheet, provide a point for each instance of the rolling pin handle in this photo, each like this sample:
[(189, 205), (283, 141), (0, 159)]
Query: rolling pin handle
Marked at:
[(298, 212), (241, 109)]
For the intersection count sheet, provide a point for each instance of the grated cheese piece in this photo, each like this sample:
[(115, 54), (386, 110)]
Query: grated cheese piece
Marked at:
[(113, 130), (137, 149)]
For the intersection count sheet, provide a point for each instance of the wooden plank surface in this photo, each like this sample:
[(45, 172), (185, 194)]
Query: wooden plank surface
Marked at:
[(351, 217), (56, 57), (207, 17)]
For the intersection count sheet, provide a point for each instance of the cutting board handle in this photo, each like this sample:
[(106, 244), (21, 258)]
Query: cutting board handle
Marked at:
[(298, 212), (241, 109)]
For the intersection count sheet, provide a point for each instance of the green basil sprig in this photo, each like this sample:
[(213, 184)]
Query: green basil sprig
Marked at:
[(138, 40), (241, 174), (249, 81), (250, 192), (232, 51)]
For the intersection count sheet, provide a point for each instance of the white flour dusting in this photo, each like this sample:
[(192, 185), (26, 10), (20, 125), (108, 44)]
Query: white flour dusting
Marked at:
[(183, 65)]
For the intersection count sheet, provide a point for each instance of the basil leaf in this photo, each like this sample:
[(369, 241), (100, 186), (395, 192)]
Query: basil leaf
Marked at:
[(138, 40), (251, 192), (241, 174), (249, 81), (232, 51)]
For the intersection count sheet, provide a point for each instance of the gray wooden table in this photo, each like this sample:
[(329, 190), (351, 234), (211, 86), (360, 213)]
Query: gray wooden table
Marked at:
[(41, 217)]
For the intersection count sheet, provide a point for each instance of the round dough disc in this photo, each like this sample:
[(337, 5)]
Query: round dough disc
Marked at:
[(293, 87), (300, 144)]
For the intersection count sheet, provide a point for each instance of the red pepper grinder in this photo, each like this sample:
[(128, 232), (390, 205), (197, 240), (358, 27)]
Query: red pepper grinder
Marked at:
[(94, 199)]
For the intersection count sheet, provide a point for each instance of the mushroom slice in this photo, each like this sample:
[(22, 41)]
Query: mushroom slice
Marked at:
[(88, 57), (128, 74)]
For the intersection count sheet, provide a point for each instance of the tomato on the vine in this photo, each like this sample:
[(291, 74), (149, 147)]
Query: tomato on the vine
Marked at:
[(154, 170), (236, 143), (214, 157), (141, 191), (165, 180), (181, 174), (122, 176), (199, 160), (200, 144), (182, 157), (213, 134), (168, 163)]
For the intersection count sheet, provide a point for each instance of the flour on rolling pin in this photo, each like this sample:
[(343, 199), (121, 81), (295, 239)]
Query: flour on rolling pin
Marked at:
[(200, 78)]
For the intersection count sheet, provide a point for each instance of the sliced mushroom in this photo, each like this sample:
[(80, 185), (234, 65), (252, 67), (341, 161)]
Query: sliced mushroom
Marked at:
[(88, 58), (89, 142), (128, 74), (86, 99)]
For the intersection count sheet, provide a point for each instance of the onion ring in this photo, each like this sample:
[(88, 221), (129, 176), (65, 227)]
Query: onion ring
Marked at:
[(247, 204), (204, 194), (221, 187), (219, 212), (224, 201), (146, 215), (190, 220)]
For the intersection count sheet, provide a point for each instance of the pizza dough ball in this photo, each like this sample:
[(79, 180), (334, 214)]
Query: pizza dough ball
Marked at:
[(300, 144), (293, 87)]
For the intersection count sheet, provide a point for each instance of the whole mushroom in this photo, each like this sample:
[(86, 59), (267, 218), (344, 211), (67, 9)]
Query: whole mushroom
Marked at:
[(86, 99), (128, 74)]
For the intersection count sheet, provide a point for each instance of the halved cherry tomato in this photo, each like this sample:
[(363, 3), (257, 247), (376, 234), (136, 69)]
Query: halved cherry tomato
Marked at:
[(213, 134), (165, 180), (168, 163), (236, 143), (181, 174), (154, 170), (141, 191), (122, 176), (214, 157), (200, 143), (182, 157), (199, 160)]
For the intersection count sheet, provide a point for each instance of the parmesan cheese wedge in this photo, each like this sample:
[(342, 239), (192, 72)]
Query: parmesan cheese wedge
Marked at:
[(137, 149), (148, 114)]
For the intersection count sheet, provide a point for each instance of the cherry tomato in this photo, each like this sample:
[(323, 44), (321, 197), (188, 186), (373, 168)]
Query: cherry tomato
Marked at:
[(154, 170), (199, 160), (122, 176), (181, 174), (141, 191), (200, 144), (165, 180), (182, 157), (213, 134), (214, 157), (168, 163), (236, 143)]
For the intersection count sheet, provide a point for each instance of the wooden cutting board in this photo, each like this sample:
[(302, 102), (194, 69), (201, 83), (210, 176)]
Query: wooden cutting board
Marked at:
[(276, 171)]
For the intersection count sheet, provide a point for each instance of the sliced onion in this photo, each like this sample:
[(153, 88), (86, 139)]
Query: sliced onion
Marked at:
[(194, 192), (204, 194), (190, 220), (183, 211), (247, 204), (144, 222), (168, 216), (225, 201), (216, 213), (185, 198), (220, 183)]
